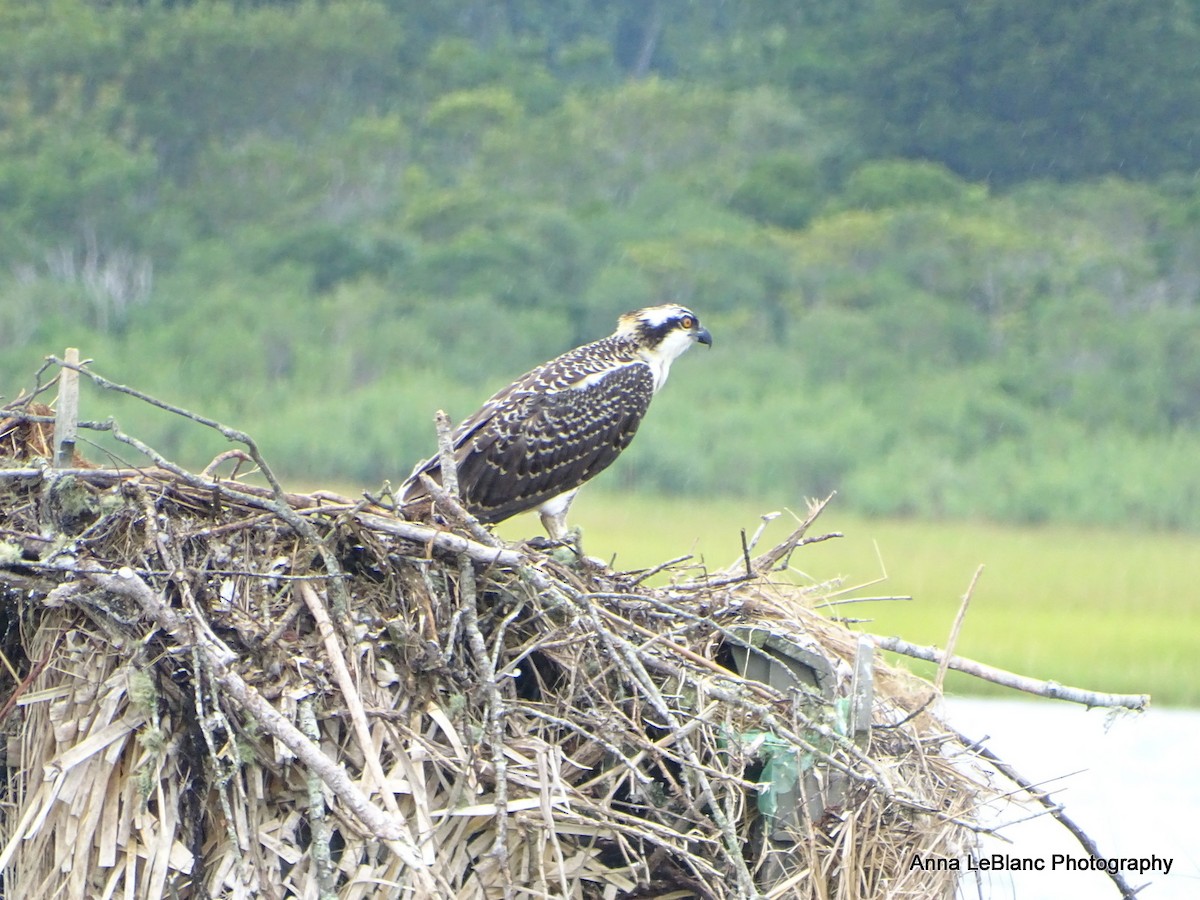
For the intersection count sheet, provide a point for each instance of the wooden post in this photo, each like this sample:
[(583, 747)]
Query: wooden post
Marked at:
[(66, 416), (862, 692)]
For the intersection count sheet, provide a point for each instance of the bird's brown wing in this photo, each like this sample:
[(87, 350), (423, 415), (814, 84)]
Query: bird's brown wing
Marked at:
[(527, 445)]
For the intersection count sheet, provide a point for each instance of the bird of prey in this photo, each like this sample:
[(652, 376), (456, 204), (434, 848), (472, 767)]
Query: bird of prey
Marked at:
[(538, 440)]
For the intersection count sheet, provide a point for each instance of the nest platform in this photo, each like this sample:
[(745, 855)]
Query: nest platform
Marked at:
[(218, 689)]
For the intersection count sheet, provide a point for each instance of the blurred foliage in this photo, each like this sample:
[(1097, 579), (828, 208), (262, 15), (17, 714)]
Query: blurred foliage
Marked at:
[(950, 256), (1013, 89)]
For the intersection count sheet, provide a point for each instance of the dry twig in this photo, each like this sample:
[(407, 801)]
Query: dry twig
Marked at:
[(952, 641)]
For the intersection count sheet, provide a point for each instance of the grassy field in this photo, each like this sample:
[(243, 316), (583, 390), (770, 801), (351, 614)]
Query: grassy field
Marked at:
[(1101, 609)]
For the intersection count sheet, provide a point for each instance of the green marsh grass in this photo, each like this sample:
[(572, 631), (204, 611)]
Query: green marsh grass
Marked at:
[(1096, 608)]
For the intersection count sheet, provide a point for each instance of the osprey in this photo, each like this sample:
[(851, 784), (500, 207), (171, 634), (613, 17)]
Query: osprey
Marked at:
[(538, 440)]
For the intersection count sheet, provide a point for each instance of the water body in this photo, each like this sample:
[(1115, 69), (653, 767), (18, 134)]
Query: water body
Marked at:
[(1132, 782)]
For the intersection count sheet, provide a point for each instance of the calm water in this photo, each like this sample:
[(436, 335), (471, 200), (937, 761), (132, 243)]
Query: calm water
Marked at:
[(1136, 792)]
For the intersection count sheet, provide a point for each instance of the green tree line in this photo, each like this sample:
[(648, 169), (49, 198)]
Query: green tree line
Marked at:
[(949, 252)]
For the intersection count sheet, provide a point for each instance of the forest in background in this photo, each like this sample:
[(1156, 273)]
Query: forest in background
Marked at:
[(949, 253)]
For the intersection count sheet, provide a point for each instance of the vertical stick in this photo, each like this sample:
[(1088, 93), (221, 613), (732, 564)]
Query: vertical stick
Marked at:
[(317, 823), (955, 629), (446, 454), (862, 693), (66, 417)]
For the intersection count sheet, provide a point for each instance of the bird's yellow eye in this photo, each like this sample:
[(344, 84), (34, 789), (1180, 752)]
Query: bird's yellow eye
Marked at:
[(687, 322)]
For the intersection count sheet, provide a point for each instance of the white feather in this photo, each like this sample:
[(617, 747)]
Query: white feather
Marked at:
[(657, 315), (660, 358)]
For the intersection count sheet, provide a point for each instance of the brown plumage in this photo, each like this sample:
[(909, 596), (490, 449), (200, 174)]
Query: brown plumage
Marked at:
[(538, 440)]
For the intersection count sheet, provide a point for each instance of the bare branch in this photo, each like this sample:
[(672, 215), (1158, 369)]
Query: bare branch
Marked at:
[(341, 674), (448, 503), (486, 671), (388, 828), (1046, 801), (1051, 689), (778, 556), (952, 641), (230, 434), (281, 506), (446, 461), (447, 541), (317, 823)]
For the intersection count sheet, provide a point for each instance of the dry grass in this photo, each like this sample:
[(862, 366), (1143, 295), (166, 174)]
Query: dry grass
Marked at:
[(517, 726)]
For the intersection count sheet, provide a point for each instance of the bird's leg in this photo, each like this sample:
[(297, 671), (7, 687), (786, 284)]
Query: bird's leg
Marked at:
[(555, 525), (553, 514)]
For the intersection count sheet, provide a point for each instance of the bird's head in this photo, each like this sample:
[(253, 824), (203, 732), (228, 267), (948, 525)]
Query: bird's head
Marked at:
[(664, 330), (661, 334)]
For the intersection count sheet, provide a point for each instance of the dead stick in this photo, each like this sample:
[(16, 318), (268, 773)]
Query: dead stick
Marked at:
[(446, 494), (1053, 808), (446, 459), (341, 674), (449, 503), (341, 602), (125, 583), (468, 596), (317, 823), (1051, 689), (443, 540), (954, 630), (654, 570), (30, 473), (782, 552), (67, 416), (358, 718), (230, 434)]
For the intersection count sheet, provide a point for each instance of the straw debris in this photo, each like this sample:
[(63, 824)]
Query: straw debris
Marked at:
[(218, 689)]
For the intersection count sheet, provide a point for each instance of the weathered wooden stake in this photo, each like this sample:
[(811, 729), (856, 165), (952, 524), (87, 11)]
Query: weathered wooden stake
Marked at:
[(66, 417), (862, 691)]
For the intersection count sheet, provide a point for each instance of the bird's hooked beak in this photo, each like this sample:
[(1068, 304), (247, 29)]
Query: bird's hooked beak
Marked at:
[(701, 336)]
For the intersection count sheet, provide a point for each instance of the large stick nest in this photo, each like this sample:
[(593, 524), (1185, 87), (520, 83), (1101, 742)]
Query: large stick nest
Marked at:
[(488, 721)]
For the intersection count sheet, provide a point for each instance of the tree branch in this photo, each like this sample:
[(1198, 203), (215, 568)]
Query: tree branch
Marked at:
[(1051, 689), (1045, 800), (280, 507)]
